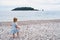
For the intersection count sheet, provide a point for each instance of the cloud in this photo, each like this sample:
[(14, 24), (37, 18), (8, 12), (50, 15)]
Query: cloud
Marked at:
[(42, 4), (10, 3), (29, 2), (13, 2)]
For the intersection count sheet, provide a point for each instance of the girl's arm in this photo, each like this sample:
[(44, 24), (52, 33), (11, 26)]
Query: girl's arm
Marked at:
[(17, 27)]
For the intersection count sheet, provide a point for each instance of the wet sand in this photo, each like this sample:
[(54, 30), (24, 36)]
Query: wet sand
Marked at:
[(33, 30)]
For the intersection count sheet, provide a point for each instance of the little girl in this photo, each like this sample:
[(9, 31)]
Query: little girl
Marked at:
[(14, 28)]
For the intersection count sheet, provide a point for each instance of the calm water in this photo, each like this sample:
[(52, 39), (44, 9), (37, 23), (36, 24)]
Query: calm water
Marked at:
[(29, 15)]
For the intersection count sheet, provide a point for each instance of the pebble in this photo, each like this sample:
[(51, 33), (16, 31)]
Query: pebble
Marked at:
[(34, 32)]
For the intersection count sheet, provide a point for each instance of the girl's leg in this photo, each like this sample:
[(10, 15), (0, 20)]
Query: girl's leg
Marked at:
[(13, 35), (17, 34)]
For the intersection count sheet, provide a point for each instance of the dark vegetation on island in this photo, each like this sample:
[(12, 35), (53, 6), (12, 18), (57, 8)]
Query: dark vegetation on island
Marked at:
[(24, 9)]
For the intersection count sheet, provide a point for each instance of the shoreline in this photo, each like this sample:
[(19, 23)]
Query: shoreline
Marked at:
[(31, 22)]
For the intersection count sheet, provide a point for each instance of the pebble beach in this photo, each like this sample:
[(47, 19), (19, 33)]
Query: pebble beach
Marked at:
[(33, 30)]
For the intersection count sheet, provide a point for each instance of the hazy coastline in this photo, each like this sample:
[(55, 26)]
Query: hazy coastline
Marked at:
[(31, 22)]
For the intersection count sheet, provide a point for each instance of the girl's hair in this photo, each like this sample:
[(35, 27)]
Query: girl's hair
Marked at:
[(14, 19)]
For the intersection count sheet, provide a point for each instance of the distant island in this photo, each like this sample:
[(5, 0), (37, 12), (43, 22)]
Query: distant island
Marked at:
[(24, 9)]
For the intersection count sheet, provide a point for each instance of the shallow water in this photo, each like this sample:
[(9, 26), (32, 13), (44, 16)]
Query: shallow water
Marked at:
[(29, 15)]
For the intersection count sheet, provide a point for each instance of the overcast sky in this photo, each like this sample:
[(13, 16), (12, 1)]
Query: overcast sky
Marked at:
[(40, 4)]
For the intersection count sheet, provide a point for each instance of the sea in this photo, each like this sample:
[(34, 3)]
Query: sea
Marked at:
[(6, 16)]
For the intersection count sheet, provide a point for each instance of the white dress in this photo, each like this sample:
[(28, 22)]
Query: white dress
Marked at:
[(14, 29)]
